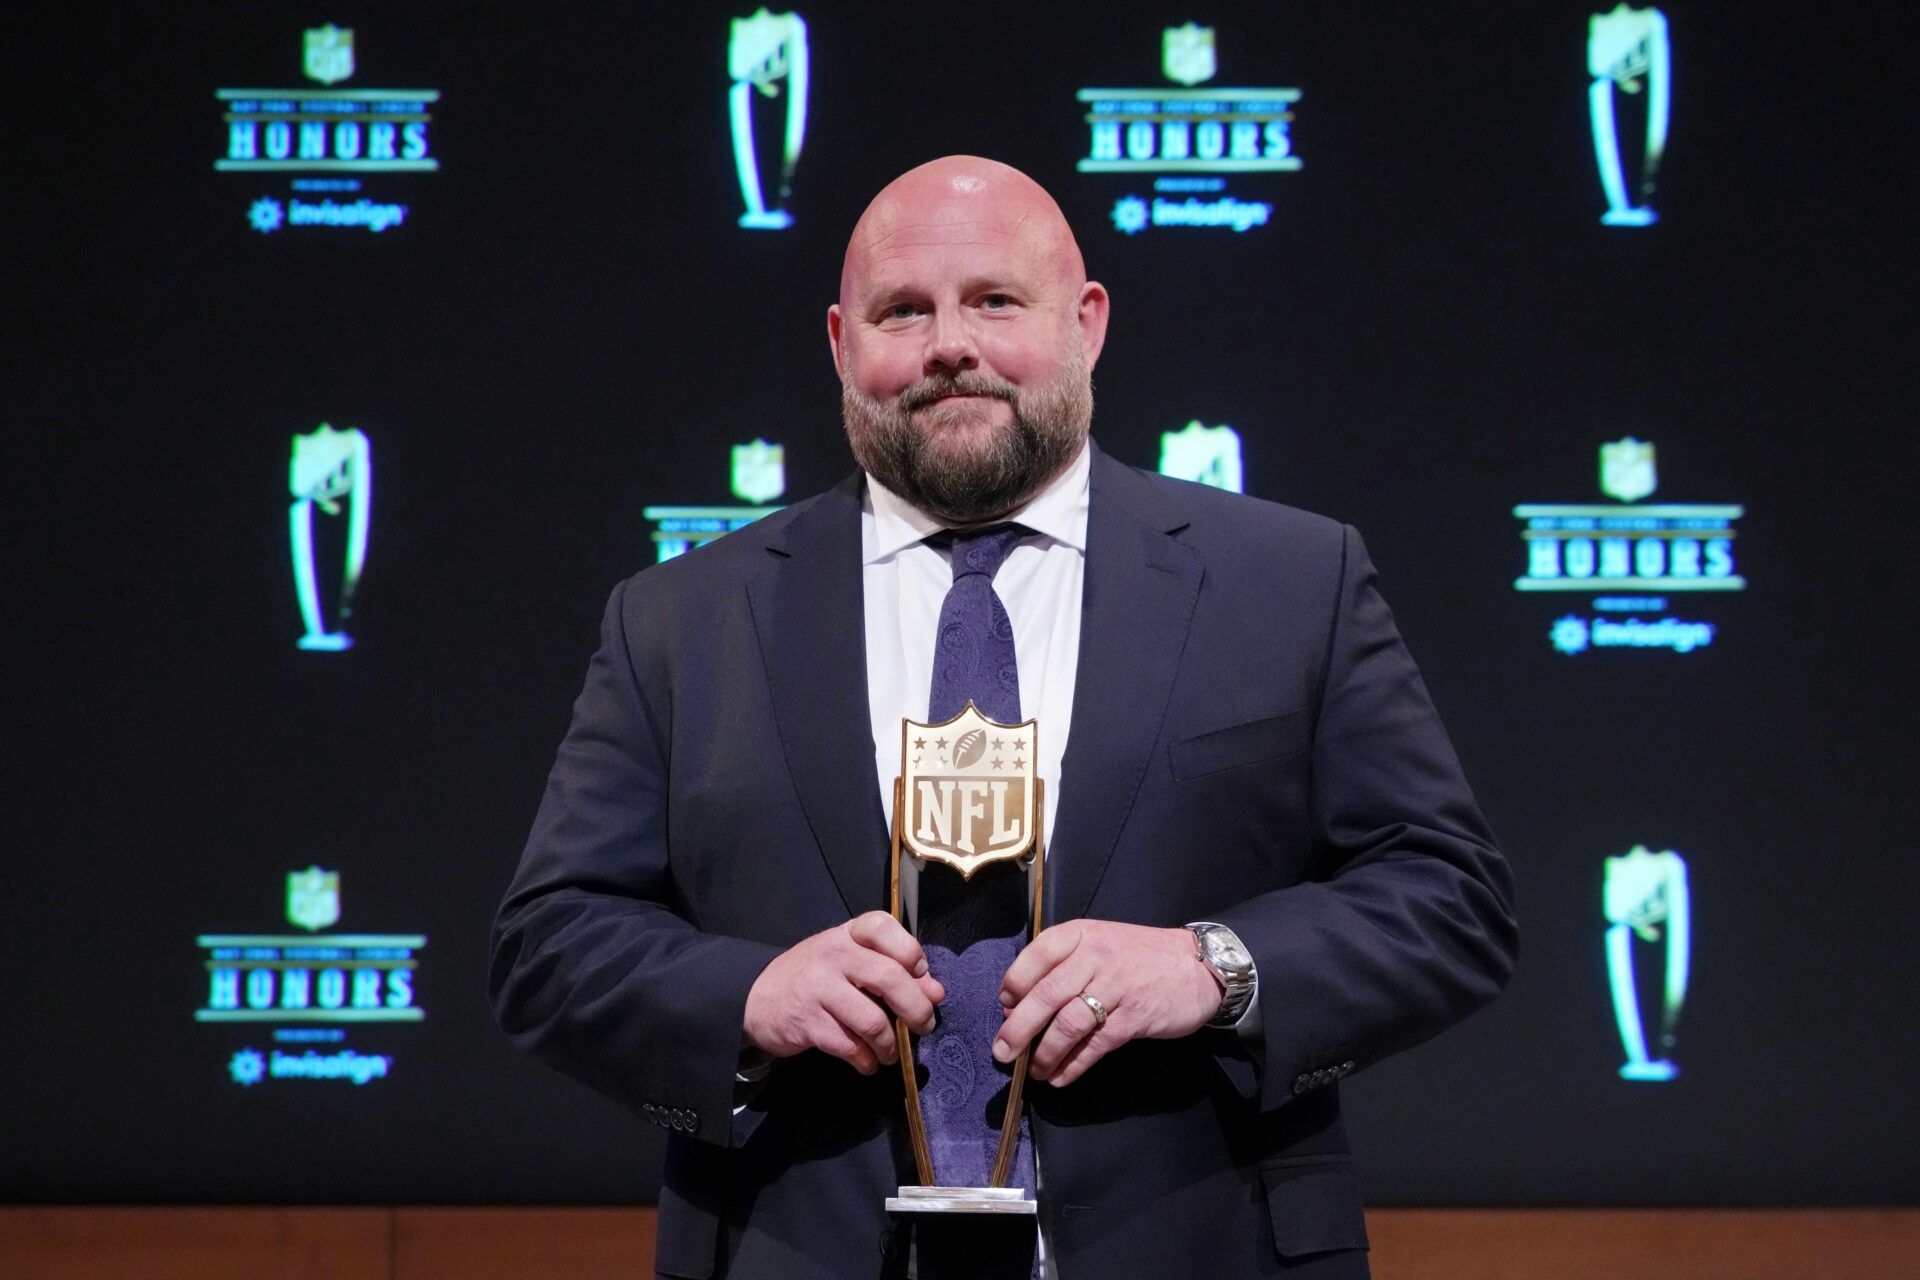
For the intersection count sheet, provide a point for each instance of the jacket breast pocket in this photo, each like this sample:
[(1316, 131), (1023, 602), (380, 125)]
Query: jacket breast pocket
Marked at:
[(1315, 1203), (1266, 741)]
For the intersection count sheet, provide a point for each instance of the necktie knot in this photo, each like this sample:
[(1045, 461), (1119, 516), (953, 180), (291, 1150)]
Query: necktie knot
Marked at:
[(979, 551)]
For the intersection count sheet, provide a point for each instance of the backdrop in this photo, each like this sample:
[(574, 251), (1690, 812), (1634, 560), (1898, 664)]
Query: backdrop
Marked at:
[(1592, 323)]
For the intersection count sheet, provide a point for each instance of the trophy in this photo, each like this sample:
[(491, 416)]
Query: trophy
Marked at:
[(327, 466), (1646, 897), (1625, 47), (968, 796), (765, 50)]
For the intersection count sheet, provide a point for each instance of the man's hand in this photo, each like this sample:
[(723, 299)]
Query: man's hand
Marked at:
[(832, 991), (1151, 981)]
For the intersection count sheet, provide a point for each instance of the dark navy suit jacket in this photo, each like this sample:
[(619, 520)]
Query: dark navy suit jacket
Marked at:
[(1250, 744)]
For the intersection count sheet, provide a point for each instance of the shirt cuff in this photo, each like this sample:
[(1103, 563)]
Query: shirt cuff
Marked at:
[(752, 1072)]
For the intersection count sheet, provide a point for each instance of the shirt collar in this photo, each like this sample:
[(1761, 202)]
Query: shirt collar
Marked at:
[(1058, 511)]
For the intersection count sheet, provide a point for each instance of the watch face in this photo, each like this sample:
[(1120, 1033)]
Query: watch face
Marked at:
[(1228, 952)]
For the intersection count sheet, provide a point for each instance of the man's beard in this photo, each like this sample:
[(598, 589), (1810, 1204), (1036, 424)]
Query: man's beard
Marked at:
[(918, 457)]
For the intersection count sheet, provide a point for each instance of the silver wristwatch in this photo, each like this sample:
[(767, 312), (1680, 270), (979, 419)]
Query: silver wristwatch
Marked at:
[(1222, 951)]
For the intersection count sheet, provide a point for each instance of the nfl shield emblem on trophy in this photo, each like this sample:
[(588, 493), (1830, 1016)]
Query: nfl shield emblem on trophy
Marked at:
[(969, 790)]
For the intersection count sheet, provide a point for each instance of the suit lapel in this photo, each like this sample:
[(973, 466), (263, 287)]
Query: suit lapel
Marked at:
[(1136, 606), (809, 614)]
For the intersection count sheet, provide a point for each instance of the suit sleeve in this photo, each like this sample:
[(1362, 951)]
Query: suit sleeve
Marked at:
[(1408, 925), (596, 968)]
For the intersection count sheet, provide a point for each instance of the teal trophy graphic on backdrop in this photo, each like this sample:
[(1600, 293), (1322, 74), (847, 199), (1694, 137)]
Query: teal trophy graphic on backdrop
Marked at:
[(767, 56), (1627, 53), (331, 470), (1206, 455), (759, 476), (1649, 910)]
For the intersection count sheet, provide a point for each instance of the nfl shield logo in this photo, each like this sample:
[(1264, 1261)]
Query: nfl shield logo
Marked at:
[(329, 54), (969, 790), (1209, 455), (1626, 469), (1187, 54), (313, 898), (759, 472)]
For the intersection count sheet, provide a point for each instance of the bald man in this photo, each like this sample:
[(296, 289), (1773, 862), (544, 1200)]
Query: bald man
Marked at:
[(1265, 868)]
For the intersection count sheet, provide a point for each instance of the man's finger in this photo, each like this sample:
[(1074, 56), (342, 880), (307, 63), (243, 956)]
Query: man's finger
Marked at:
[(854, 1010), (878, 931), (1048, 948), (833, 1038), (883, 978), (1037, 1008), (1070, 1028), (1079, 1058)]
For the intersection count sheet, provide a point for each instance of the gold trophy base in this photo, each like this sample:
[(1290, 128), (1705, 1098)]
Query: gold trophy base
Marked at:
[(962, 1200)]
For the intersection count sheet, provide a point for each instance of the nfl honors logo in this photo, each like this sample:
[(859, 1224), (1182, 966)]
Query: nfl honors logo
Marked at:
[(969, 790)]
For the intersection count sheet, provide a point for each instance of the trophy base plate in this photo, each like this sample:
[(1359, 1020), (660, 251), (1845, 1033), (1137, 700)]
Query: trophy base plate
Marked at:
[(962, 1200), (1662, 1070)]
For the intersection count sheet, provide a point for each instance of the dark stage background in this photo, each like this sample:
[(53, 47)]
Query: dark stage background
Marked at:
[(569, 326)]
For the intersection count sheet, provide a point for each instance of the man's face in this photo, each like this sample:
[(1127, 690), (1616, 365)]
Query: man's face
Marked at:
[(963, 344)]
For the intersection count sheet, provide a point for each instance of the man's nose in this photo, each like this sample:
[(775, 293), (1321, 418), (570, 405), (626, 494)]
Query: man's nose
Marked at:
[(950, 347)]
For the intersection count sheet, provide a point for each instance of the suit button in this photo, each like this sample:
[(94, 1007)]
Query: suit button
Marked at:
[(1346, 1068), (1300, 1084), (651, 1112)]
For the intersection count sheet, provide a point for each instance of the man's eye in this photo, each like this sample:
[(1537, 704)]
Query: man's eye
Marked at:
[(996, 301), (901, 311)]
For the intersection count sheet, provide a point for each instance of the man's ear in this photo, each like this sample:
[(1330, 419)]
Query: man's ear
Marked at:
[(833, 339), (1093, 320)]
